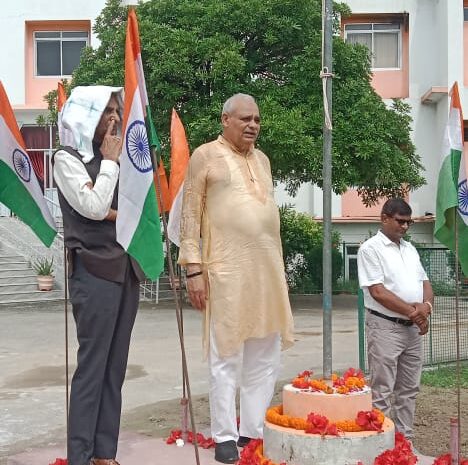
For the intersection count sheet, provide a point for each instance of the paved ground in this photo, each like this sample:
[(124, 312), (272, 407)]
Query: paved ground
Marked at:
[(32, 367)]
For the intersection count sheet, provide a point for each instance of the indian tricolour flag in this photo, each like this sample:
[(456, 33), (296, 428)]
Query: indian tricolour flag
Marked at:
[(19, 188), (138, 225), (452, 188), (65, 135), (180, 155)]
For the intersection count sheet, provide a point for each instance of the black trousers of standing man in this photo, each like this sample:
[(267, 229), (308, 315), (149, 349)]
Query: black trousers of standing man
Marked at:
[(104, 313)]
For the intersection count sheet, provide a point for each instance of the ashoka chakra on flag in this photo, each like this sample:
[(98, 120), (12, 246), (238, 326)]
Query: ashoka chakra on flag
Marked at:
[(138, 147), (22, 165)]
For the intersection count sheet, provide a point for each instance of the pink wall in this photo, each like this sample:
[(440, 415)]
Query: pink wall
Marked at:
[(388, 84), (37, 87), (351, 205)]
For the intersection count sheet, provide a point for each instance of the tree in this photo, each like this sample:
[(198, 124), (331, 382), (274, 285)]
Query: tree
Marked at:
[(196, 53), (302, 241)]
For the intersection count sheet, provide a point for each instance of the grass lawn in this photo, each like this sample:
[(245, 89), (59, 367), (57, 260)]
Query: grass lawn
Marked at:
[(445, 376)]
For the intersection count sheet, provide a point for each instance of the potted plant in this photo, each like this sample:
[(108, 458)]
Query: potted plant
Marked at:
[(44, 269)]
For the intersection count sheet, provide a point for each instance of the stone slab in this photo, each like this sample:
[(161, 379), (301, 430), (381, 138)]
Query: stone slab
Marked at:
[(299, 448)]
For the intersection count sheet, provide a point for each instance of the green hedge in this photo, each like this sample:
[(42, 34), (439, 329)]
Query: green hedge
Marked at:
[(302, 239)]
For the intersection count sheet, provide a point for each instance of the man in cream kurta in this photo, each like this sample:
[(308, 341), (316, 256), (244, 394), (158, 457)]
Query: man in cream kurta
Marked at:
[(238, 277)]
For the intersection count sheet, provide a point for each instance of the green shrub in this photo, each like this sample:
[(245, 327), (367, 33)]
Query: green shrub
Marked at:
[(346, 287), (302, 239)]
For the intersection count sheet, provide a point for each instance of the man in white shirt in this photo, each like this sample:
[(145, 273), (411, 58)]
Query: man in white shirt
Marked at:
[(398, 297), (103, 279)]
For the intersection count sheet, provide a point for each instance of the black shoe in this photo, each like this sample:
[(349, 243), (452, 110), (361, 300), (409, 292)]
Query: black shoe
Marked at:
[(243, 441), (226, 452)]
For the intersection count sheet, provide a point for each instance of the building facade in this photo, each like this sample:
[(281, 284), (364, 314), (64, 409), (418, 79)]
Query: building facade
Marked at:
[(418, 52), (419, 49)]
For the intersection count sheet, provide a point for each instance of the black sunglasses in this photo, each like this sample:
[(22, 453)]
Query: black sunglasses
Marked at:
[(402, 222)]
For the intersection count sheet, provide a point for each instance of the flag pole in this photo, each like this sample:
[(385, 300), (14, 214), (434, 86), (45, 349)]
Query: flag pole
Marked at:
[(65, 280), (178, 309), (326, 76), (457, 339)]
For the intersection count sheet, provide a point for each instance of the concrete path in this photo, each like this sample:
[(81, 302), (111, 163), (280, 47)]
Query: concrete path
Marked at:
[(134, 450), (141, 450), (32, 368)]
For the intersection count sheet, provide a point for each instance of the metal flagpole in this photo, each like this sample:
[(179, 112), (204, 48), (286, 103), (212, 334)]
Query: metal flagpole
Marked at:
[(178, 309), (326, 75), (65, 270), (456, 455)]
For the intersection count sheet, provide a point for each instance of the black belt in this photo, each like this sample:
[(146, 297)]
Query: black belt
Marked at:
[(400, 321)]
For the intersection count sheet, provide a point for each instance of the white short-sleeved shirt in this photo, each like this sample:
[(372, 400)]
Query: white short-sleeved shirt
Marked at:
[(398, 268)]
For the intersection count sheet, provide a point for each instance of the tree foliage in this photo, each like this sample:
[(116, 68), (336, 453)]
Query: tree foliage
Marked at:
[(197, 53), (302, 241)]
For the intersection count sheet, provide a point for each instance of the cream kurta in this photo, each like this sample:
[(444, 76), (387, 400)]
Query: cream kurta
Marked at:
[(229, 203)]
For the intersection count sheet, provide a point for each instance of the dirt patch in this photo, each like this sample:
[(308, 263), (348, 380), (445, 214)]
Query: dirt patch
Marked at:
[(435, 407)]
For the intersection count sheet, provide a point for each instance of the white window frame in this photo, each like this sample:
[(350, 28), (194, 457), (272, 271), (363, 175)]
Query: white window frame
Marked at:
[(380, 31), (348, 257), (57, 39)]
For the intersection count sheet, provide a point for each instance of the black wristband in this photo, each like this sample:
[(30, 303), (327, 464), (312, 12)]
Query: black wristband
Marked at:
[(192, 275)]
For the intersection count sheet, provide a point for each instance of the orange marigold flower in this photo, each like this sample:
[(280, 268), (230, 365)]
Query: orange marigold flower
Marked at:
[(348, 426), (320, 385), (342, 390), (300, 383), (368, 421)]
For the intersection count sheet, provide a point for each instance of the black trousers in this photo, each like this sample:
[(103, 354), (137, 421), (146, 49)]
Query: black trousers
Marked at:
[(104, 313)]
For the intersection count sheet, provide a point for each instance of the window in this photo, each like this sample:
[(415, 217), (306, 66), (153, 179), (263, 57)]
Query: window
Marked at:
[(465, 14), (57, 52), (351, 270), (382, 39)]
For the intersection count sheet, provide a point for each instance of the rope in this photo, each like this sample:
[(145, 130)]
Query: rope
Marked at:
[(325, 75)]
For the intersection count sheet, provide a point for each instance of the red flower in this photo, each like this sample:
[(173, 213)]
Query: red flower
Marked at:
[(318, 424), (447, 460), (400, 455), (443, 460), (60, 462), (248, 455), (203, 442), (305, 374), (370, 421), (352, 372)]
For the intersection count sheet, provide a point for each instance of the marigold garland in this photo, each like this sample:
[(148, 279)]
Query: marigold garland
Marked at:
[(368, 421)]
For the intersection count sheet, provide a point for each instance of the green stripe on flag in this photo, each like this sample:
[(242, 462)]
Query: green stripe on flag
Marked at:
[(151, 131), (17, 198), (146, 244), (447, 209)]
